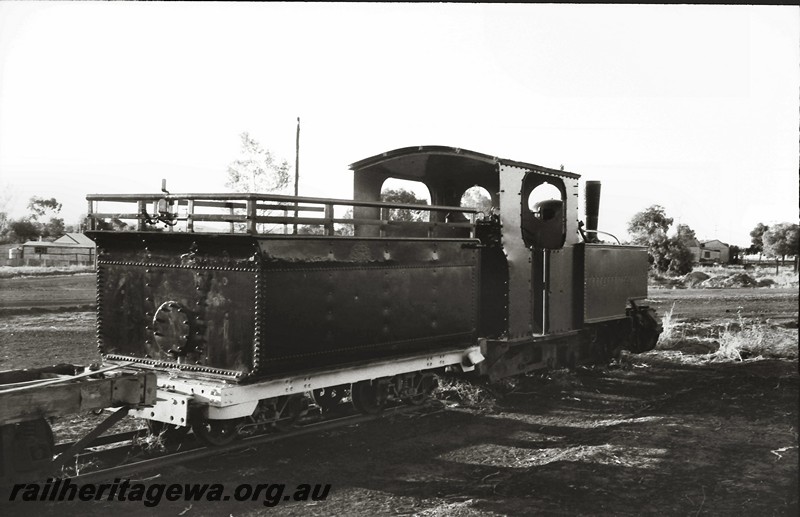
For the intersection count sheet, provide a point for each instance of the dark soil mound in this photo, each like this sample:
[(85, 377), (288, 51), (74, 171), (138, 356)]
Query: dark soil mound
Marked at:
[(694, 278)]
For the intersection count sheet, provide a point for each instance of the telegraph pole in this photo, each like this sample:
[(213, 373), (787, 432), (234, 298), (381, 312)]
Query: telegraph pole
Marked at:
[(297, 160), (296, 172)]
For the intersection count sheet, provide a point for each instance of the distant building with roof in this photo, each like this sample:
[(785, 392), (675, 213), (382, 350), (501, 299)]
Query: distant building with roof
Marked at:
[(73, 249), (710, 252)]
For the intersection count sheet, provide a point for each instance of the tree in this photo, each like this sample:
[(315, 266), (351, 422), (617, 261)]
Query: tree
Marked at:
[(757, 239), (308, 229), (669, 254), (5, 200), (40, 206), (23, 230), (257, 170), (474, 197), (679, 256), (686, 235), (401, 195), (781, 240), (735, 255), (54, 228), (644, 225), (4, 229)]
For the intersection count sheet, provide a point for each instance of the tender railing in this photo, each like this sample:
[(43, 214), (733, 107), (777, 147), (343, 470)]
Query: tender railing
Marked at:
[(275, 214)]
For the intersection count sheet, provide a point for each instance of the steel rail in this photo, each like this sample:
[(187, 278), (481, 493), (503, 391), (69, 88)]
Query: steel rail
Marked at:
[(168, 459), (104, 440)]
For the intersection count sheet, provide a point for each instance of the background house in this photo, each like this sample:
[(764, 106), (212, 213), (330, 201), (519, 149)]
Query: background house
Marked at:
[(71, 249), (713, 251)]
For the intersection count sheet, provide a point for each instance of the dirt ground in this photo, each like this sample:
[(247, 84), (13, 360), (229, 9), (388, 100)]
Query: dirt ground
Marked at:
[(777, 305), (665, 432), (68, 291)]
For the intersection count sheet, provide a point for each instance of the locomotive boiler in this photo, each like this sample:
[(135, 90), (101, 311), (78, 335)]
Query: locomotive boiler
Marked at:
[(241, 303)]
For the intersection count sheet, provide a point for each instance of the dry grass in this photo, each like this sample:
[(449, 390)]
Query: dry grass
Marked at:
[(17, 271), (152, 442), (730, 277), (745, 339), (669, 334), (786, 276), (674, 337), (736, 341), (471, 394)]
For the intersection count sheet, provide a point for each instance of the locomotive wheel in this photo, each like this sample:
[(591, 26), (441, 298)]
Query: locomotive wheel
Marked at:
[(216, 432), (369, 397), (425, 385), (170, 433), (292, 408), (328, 398)]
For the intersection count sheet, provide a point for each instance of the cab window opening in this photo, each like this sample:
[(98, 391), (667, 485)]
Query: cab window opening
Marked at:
[(406, 192), (543, 212), (543, 192), (479, 198)]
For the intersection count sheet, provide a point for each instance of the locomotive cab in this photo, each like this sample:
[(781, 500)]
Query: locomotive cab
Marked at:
[(542, 280), (534, 218)]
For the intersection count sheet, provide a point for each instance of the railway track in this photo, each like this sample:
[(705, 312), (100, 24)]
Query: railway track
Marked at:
[(109, 458), (129, 450)]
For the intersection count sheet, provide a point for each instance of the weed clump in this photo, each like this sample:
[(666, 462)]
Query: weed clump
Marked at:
[(669, 334), (735, 341), (473, 394), (743, 340)]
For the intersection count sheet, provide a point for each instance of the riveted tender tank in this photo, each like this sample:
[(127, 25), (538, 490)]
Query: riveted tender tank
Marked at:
[(247, 306)]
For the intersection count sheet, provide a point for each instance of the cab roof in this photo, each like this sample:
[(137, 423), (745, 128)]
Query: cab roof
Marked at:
[(430, 161)]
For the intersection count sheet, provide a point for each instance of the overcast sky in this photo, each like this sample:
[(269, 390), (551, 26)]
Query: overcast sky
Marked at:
[(694, 108)]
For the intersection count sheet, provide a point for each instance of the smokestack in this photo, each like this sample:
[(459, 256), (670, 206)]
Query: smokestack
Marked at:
[(592, 199)]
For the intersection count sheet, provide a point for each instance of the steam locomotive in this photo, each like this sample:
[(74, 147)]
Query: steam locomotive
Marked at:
[(242, 303)]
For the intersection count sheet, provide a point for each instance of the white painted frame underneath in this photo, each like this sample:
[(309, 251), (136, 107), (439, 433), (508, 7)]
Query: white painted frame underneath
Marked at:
[(220, 400)]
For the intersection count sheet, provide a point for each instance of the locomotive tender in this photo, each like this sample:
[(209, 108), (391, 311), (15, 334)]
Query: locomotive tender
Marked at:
[(241, 303)]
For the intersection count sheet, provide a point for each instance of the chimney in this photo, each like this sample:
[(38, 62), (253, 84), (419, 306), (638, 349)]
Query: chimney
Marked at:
[(592, 202)]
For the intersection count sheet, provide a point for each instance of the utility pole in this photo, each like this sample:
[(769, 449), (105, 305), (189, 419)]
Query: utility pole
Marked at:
[(296, 173), (297, 160)]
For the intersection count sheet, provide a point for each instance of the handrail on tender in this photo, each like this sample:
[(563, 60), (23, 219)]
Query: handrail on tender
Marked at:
[(255, 214)]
